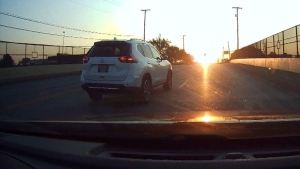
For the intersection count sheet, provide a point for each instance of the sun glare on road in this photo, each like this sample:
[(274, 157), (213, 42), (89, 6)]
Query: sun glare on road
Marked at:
[(205, 70)]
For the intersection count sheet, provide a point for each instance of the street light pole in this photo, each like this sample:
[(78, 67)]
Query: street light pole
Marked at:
[(145, 11), (63, 42), (237, 26), (183, 41)]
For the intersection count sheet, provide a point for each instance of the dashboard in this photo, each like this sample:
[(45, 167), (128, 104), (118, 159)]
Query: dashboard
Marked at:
[(25, 151)]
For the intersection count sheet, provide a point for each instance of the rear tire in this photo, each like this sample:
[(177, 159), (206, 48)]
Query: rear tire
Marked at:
[(168, 84), (95, 96), (146, 89)]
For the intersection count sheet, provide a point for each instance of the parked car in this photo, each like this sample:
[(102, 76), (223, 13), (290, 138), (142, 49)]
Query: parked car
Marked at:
[(125, 66)]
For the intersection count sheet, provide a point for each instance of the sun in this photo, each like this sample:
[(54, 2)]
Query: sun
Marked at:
[(205, 59)]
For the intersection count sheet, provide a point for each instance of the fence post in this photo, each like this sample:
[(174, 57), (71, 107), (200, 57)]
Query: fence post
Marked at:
[(25, 50), (283, 44), (72, 50), (261, 55), (297, 41), (43, 53), (274, 52), (6, 48), (266, 47)]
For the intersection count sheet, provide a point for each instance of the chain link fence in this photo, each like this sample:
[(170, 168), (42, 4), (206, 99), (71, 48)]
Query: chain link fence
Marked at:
[(284, 44), (42, 54)]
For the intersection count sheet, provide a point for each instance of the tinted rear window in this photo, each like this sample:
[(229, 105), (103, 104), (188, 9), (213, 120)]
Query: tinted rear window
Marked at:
[(110, 49)]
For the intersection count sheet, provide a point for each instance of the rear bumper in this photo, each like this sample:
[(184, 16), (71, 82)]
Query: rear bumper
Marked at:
[(109, 88)]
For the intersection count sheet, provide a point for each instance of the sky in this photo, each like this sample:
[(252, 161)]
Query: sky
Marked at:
[(208, 25)]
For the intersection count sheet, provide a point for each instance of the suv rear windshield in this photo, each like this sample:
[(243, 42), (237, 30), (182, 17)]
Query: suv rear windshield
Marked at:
[(109, 49)]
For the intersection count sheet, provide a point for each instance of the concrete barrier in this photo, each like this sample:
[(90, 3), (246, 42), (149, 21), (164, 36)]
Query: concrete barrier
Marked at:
[(17, 74), (286, 64), (284, 79)]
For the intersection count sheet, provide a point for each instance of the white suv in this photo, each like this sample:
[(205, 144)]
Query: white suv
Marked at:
[(115, 66)]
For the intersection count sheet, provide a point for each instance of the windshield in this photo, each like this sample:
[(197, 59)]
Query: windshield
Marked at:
[(153, 62), (109, 49)]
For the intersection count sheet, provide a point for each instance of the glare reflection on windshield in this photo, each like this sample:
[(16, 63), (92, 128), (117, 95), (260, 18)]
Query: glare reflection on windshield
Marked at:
[(205, 118)]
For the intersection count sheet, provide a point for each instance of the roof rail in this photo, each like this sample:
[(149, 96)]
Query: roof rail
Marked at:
[(135, 39), (113, 39)]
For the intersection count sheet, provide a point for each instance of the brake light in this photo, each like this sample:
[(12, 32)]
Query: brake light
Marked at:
[(128, 59), (85, 59)]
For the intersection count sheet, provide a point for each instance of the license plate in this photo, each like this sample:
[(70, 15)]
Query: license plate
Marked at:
[(103, 68)]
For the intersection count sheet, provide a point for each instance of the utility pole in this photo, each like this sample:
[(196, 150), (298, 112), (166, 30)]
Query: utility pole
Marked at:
[(183, 41), (237, 26), (145, 11), (63, 43), (228, 50)]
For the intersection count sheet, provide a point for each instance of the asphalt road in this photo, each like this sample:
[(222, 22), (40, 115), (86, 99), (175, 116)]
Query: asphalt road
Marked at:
[(196, 88)]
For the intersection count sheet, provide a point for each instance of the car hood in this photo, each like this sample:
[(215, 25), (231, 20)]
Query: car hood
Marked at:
[(170, 126)]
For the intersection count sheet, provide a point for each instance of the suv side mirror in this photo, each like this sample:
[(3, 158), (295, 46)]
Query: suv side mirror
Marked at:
[(164, 56)]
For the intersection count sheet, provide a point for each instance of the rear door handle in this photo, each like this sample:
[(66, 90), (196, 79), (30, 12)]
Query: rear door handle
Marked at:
[(148, 62)]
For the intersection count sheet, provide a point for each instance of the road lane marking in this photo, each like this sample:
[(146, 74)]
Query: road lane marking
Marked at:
[(36, 100), (183, 84)]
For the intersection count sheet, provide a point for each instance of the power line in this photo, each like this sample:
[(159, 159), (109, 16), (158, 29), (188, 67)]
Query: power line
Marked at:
[(59, 26), (39, 44), (89, 6), (112, 2), (46, 33)]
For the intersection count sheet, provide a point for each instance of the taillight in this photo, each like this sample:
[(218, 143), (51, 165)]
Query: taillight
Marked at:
[(128, 59), (85, 59)]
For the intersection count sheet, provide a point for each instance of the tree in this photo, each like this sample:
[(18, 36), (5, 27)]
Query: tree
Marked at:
[(160, 44), (24, 61), (247, 52), (188, 59), (7, 61), (173, 53)]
